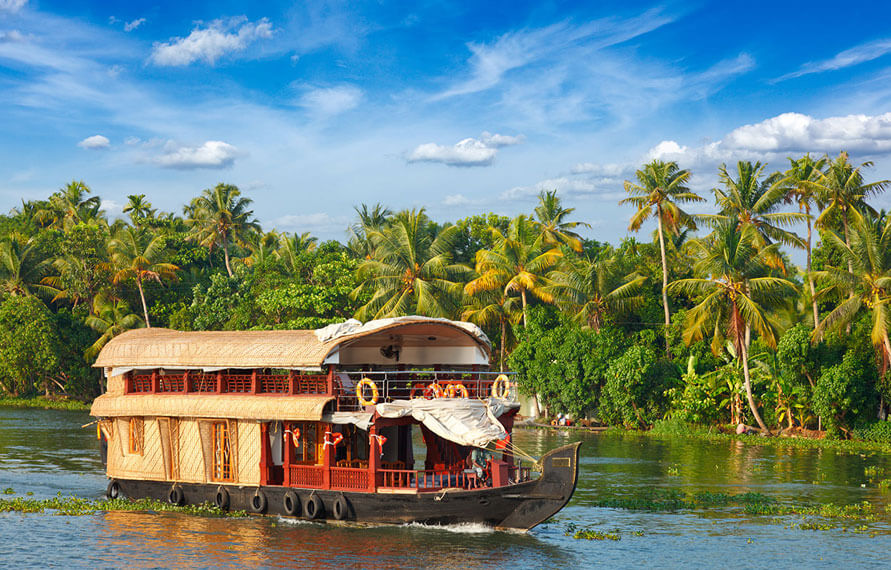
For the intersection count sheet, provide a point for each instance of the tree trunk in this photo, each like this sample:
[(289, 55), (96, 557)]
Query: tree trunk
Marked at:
[(810, 277), (664, 279), (850, 263), (503, 332), (148, 325), (226, 254), (523, 297), (748, 384)]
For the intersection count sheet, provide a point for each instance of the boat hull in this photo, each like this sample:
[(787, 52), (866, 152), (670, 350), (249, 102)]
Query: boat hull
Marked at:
[(518, 507)]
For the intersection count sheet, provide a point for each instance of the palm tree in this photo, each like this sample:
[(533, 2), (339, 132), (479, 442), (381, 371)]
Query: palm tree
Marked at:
[(411, 271), (551, 221), (661, 187), (840, 187), (519, 263), (292, 247), (263, 247), (593, 289), (370, 219), (138, 255), (220, 217), (751, 200), (110, 317), (868, 286), (69, 206), (737, 291), (22, 266), (798, 184), (493, 308), (139, 208)]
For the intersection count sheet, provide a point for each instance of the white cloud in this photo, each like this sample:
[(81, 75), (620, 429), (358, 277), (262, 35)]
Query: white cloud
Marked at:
[(209, 44), (12, 5), (455, 200), (329, 101), (305, 222), (563, 185), (665, 150), (211, 154), (130, 26), (94, 142), (853, 56), (601, 169), (112, 208), (11, 36), (467, 152)]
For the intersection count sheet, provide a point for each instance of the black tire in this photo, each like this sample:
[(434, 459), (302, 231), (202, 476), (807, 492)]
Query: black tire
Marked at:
[(291, 504), (175, 496), (313, 507), (221, 499), (341, 508), (258, 502), (113, 491)]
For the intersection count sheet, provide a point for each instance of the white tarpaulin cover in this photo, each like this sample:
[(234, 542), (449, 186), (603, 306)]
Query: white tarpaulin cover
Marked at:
[(462, 420), (353, 326), (362, 420)]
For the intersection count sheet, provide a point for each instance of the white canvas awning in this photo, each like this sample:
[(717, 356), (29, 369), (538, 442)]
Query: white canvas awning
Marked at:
[(461, 420)]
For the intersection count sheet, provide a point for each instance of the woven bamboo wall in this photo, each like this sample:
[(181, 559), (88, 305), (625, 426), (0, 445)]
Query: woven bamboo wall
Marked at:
[(116, 385), (248, 453), (125, 465), (191, 454)]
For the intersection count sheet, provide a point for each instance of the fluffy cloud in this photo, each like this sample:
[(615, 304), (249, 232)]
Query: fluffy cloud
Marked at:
[(211, 154), (209, 44), (329, 101), (467, 152), (456, 200), (95, 142), (12, 5), (130, 26)]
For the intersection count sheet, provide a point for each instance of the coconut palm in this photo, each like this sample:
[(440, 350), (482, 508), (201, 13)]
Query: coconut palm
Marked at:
[(550, 217), (737, 291), (660, 187), (411, 271), (370, 219), (494, 309), (292, 247), (110, 317), (22, 266), (868, 285), (592, 290), (263, 247), (139, 208), (220, 217), (798, 185), (517, 265), (138, 255), (751, 199), (70, 206), (842, 190)]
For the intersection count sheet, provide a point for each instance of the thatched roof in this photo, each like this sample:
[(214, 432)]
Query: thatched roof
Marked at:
[(165, 348), (230, 406)]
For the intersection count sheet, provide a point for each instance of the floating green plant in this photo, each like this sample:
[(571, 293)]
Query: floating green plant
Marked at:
[(9, 491), (591, 534), (76, 506)]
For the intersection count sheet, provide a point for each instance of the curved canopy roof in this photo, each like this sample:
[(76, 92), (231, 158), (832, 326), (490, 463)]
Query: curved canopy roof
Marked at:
[(165, 348)]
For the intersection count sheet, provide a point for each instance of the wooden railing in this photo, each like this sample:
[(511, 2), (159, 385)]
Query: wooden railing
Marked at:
[(422, 480), (225, 383), (308, 476), (349, 479)]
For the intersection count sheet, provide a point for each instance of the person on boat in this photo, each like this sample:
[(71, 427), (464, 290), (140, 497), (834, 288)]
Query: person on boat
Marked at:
[(478, 460)]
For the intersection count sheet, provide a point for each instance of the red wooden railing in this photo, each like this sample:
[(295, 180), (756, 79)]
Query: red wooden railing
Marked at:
[(425, 480), (225, 383), (349, 479), (308, 476), (139, 384)]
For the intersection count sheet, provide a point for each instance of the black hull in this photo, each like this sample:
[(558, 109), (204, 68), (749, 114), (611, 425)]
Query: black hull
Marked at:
[(518, 507)]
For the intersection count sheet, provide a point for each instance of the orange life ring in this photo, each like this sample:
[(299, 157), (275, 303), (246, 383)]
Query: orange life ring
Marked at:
[(501, 387), (295, 436), (457, 391), (417, 388), (374, 392), (433, 391), (335, 438)]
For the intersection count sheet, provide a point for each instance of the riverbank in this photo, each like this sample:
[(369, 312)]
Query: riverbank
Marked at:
[(44, 403), (679, 430)]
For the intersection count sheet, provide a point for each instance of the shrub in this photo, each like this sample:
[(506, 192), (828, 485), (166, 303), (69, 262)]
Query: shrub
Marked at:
[(878, 431), (635, 385)]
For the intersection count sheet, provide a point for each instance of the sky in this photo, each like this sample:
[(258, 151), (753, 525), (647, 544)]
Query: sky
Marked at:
[(312, 108)]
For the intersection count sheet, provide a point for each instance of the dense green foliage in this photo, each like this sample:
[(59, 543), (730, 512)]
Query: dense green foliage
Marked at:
[(707, 323)]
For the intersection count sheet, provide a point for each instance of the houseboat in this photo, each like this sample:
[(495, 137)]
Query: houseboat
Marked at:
[(323, 424)]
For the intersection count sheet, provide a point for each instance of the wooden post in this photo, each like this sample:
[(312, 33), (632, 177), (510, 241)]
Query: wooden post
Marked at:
[(330, 381), (290, 382), (328, 455), (264, 453), (186, 382), (155, 382), (255, 387), (374, 458), (219, 386), (287, 450)]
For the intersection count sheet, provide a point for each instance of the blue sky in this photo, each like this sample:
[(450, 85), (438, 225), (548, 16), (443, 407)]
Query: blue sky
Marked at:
[(462, 108)]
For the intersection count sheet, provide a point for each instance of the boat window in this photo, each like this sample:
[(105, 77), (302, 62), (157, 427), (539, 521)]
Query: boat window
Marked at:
[(306, 446), (222, 452), (137, 435)]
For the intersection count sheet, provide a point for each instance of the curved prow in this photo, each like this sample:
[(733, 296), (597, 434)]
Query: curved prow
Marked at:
[(559, 475)]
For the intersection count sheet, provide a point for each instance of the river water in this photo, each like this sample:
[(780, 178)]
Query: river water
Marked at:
[(46, 452)]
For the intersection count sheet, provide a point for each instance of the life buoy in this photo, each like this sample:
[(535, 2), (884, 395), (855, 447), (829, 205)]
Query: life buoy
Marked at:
[(221, 498), (381, 440), (113, 491), (374, 392), (295, 436), (501, 387), (341, 508), (333, 438), (313, 507), (433, 391), (291, 504), (417, 388), (175, 496), (457, 391), (258, 502)]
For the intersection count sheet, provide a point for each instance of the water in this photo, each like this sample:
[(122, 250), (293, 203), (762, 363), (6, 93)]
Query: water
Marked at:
[(45, 452)]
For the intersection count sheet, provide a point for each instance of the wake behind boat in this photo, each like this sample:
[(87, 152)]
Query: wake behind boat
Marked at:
[(319, 425)]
